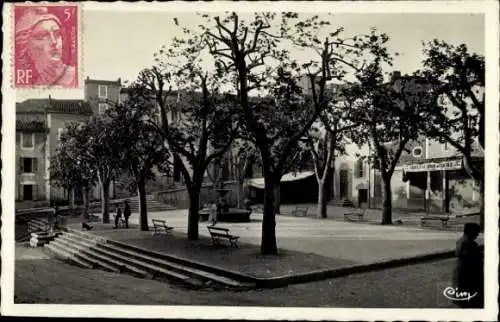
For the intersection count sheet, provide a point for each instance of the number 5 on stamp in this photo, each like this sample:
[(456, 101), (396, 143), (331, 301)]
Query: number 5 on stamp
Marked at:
[(46, 46)]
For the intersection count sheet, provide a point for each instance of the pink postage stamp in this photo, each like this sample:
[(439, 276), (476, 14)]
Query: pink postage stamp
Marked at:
[(46, 45)]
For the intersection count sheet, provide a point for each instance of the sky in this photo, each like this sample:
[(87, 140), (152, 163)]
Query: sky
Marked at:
[(120, 44)]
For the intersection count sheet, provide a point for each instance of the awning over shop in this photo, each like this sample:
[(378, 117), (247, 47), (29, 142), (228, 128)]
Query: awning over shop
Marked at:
[(259, 182), (432, 165)]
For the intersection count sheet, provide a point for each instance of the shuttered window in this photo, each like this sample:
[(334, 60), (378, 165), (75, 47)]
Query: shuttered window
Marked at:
[(28, 165), (27, 140)]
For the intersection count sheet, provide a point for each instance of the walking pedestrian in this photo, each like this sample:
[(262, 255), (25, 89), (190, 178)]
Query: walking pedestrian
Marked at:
[(118, 216), (126, 213)]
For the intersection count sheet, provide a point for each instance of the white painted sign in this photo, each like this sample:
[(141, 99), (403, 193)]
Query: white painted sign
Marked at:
[(432, 166)]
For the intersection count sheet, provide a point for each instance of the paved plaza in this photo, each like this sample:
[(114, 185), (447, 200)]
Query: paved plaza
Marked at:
[(356, 242)]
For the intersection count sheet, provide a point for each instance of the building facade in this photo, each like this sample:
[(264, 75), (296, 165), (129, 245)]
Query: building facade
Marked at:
[(39, 125)]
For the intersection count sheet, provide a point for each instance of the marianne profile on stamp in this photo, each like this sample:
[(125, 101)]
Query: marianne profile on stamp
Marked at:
[(46, 46)]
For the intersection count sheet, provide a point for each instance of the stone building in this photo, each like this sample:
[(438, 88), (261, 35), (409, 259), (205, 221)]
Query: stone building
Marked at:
[(39, 125)]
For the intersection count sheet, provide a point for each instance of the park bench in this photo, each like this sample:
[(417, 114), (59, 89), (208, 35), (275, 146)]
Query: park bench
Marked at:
[(355, 216), (445, 219), (218, 233), (161, 226), (300, 211)]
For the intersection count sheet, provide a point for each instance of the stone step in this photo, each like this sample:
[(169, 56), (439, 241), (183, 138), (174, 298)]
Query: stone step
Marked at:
[(121, 266), (126, 258), (244, 281), (64, 255), (77, 240), (78, 253), (86, 246), (197, 273), (82, 234), (137, 267)]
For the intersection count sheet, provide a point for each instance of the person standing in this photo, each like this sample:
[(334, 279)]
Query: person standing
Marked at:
[(57, 218), (126, 213), (213, 214), (118, 216), (468, 275)]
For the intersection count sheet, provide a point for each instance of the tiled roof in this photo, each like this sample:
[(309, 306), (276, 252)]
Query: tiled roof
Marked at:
[(104, 82), (54, 106), (31, 126)]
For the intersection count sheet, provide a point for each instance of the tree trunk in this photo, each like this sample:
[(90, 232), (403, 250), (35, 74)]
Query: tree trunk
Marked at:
[(72, 201), (105, 201), (143, 210), (193, 214), (240, 194), (268, 244), (85, 196), (329, 185), (322, 198), (478, 176), (277, 200), (387, 206)]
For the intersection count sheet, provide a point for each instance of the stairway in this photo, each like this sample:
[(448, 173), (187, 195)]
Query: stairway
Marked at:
[(152, 204), (93, 252), (23, 231)]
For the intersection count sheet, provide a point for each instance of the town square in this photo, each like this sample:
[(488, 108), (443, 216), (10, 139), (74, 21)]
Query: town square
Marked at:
[(252, 158)]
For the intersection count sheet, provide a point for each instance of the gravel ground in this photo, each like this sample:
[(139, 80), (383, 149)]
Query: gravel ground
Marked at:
[(43, 280), (244, 259)]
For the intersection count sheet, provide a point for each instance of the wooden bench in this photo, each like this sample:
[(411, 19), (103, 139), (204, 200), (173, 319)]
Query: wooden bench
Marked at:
[(160, 226), (300, 211), (445, 219), (355, 216), (218, 233)]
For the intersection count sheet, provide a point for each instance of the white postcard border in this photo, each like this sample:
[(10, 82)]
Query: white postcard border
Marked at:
[(490, 8)]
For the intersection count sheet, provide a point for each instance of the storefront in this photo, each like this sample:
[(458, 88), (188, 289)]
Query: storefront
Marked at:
[(439, 185)]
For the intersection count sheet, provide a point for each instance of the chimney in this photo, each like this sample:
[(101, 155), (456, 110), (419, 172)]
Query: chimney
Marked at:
[(395, 75), (119, 80)]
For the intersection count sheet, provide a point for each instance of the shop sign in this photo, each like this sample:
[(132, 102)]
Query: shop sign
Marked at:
[(432, 166)]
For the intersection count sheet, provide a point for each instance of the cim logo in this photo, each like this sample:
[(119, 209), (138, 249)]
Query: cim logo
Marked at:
[(455, 294)]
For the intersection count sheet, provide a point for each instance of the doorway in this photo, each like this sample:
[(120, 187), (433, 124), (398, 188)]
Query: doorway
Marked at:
[(343, 183), (27, 192), (362, 197)]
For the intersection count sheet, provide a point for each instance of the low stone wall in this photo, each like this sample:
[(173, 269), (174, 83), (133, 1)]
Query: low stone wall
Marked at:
[(180, 197)]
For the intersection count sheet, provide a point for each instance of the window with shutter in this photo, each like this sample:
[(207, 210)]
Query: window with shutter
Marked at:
[(28, 141), (35, 165), (27, 165), (360, 168), (103, 91), (21, 192), (35, 191), (102, 108)]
